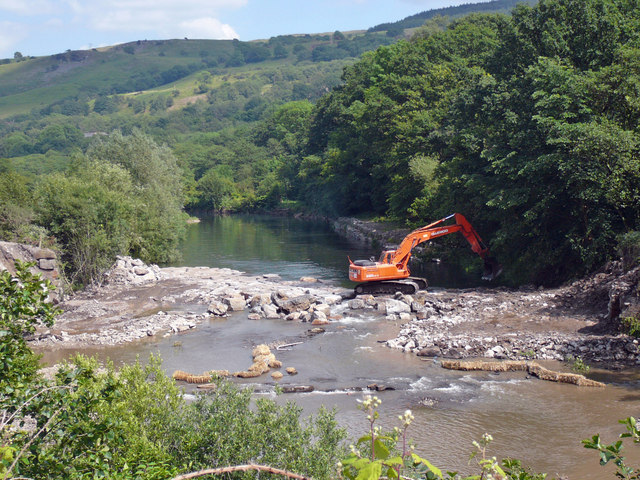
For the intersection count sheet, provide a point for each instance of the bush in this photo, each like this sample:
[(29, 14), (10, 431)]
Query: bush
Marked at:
[(137, 424), (629, 247), (23, 307)]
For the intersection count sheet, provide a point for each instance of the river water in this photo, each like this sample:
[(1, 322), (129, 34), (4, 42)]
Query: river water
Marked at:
[(540, 423)]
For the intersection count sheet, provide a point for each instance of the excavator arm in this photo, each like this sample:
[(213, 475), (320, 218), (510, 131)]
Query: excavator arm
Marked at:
[(393, 264)]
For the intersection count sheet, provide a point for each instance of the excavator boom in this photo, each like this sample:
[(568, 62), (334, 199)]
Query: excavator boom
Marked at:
[(392, 266)]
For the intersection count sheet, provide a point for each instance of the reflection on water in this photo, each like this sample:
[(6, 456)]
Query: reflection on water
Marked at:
[(538, 422), (292, 248)]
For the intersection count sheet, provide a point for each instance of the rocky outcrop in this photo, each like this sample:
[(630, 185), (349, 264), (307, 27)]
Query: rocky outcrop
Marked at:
[(46, 264)]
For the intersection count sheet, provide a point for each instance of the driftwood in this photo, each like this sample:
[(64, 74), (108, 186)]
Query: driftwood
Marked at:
[(532, 368), (283, 347), (240, 468)]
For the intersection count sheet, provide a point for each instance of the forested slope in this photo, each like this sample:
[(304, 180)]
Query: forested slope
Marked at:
[(526, 123)]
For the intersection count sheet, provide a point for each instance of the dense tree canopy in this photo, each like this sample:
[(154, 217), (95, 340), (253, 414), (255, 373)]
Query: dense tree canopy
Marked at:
[(527, 124)]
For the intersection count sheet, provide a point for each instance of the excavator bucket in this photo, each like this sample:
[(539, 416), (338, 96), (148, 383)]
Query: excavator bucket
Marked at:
[(491, 269)]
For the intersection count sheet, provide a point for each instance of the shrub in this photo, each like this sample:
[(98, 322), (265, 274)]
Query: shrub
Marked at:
[(629, 246)]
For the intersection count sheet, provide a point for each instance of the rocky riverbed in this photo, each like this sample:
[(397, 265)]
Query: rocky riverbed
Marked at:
[(579, 320)]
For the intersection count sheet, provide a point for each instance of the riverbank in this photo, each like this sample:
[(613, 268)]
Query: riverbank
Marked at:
[(137, 301)]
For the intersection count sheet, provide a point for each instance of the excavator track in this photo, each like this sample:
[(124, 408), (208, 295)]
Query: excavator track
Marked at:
[(389, 287)]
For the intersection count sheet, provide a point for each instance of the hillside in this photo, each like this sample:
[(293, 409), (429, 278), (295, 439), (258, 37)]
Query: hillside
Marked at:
[(413, 21), (79, 76)]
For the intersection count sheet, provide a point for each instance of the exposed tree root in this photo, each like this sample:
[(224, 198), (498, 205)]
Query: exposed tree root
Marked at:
[(520, 365), (240, 468)]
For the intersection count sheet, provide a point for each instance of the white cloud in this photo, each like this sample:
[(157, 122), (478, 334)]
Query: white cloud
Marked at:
[(27, 7), (159, 18), (207, 28), (11, 34)]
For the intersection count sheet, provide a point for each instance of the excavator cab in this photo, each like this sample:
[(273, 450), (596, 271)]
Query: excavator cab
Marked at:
[(385, 256)]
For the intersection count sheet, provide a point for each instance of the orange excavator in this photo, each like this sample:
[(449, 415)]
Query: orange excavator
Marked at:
[(390, 274)]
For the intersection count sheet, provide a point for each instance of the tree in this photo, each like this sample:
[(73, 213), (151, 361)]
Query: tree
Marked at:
[(123, 197), (215, 191), (18, 57)]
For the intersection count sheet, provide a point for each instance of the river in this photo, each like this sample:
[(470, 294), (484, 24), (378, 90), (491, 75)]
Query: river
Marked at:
[(538, 422)]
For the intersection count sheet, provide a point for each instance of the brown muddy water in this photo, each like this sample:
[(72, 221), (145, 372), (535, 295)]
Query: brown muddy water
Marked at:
[(540, 423)]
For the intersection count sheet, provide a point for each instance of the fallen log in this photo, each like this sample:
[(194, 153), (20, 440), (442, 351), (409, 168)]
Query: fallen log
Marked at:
[(532, 368), (241, 468)]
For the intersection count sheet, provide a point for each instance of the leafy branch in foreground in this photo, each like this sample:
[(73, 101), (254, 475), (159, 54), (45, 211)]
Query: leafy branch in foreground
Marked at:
[(613, 451)]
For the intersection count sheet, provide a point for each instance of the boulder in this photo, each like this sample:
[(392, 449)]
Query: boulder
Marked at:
[(260, 300), (322, 307), (297, 388), (397, 306), (140, 270), (309, 280), (254, 316), (297, 304), (293, 316), (270, 311), (218, 308), (277, 375), (356, 304), (44, 253), (429, 352), (236, 304), (291, 370), (278, 298), (319, 318), (332, 299), (47, 264)]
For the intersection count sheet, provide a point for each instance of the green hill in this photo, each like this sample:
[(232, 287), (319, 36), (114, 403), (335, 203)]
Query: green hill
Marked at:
[(495, 6), (78, 76)]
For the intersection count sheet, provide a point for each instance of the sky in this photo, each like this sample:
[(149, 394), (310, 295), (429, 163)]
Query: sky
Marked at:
[(46, 27)]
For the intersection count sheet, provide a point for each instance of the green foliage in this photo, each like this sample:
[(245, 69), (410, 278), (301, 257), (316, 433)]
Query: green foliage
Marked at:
[(137, 424), (629, 247), (631, 326), (24, 306), (215, 191), (613, 451), (123, 197), (525, 124), (577, 364)]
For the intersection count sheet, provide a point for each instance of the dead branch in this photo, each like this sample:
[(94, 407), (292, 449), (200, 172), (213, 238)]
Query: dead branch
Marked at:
[(240, 468)]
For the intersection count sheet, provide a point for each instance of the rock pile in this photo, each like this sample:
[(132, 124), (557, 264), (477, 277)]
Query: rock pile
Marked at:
[(468, 325), (279, 304), (131, 271)]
